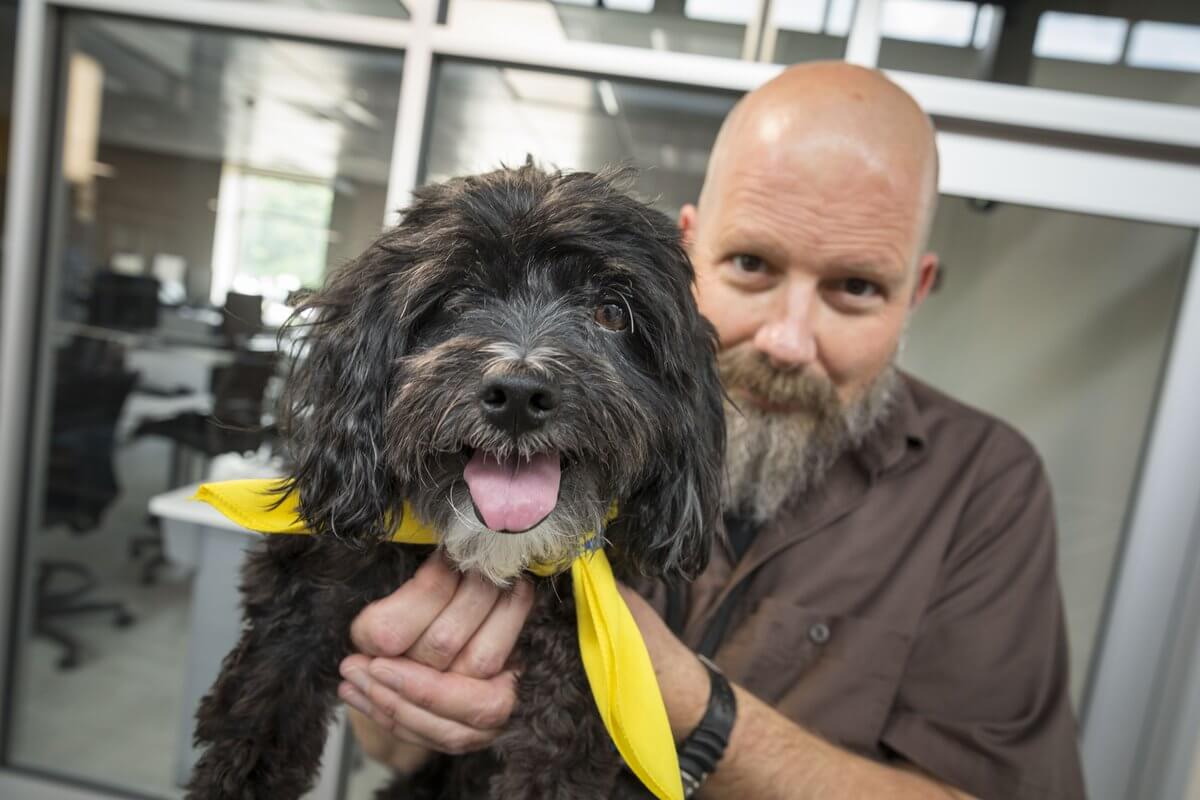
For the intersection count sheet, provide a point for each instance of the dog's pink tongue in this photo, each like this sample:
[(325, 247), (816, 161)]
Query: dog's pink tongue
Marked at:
[(513, 494)]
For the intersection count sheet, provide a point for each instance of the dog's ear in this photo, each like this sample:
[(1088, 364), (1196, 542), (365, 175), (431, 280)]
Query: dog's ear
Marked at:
[(351, 334), (667, 525)]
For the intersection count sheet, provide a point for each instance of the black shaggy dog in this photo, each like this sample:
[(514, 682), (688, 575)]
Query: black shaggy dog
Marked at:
[(517, 317)]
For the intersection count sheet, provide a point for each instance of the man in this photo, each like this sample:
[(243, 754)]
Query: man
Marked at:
[(887, 605)]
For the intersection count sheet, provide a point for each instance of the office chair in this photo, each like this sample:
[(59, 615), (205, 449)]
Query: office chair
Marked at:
[(81, 485), (234, 426)]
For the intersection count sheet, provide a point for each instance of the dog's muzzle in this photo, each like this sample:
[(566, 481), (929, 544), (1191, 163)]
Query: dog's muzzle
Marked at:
[(512, 494)]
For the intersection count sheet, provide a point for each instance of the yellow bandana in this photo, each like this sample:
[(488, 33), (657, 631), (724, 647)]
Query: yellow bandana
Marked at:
[(614, 656)]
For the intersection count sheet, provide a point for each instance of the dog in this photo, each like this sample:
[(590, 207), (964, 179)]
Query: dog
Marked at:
[(521, 318)]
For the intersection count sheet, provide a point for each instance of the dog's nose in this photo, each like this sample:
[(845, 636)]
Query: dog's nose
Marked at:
[(518, 403)]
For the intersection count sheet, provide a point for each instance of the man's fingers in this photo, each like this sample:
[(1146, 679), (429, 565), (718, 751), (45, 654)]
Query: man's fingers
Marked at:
[(486, 654), (457, 623), (390, 626), (417, 721), (447, 696)]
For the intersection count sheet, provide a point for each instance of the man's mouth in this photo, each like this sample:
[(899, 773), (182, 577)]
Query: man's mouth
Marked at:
[(512, 494), (746, 397)]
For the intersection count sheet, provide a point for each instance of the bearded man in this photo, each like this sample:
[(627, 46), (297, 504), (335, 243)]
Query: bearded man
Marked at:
[(884, 618)]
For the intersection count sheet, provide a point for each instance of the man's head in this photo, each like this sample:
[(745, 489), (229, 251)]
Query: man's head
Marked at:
[(809, 247)]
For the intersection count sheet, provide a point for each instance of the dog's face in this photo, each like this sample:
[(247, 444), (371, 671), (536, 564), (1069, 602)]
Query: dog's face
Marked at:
[(519, 354)]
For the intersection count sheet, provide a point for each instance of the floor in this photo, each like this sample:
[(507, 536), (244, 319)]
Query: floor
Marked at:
[(112, 720)]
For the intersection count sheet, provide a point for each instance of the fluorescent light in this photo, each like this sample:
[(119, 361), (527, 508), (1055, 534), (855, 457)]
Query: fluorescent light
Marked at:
[(984, 23), (608, 98), (85, 96), (636, 6), (1164, 45), (798, 15), (1080, 37), (947, 22), (841, 13), (717, 11)]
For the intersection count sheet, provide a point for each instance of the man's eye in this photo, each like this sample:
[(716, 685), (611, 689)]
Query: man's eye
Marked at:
[(748, 263), (860, 287)]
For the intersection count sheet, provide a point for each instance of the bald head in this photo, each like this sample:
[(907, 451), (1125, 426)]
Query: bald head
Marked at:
[(838, 118)]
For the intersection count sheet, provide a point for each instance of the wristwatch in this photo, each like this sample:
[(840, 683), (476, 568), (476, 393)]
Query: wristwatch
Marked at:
[(704, 746)]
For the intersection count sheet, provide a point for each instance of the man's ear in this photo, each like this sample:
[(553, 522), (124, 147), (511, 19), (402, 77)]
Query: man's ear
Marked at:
[(927, 270), (687, 225)]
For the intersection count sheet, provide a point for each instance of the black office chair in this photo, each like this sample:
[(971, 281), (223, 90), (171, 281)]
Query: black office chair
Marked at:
[(234, 426), (81, 485)]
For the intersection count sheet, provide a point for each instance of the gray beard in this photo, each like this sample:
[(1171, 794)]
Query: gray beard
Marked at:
[(773, 459)]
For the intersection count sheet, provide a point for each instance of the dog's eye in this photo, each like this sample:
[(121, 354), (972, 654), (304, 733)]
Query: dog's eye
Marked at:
[(612, 316)]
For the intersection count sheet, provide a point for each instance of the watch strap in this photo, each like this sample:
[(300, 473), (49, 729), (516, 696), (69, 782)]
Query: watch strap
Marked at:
[(701, 751)]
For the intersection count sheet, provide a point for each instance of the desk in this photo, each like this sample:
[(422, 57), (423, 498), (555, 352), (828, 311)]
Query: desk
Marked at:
[(197, 534)]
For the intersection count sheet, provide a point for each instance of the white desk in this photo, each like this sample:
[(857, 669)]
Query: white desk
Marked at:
[(197, 535)]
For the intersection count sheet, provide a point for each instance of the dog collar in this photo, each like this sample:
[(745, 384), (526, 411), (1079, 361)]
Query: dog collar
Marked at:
[(614, 656)]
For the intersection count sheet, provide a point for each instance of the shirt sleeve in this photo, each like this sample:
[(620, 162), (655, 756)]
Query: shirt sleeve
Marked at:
[(984, 703)]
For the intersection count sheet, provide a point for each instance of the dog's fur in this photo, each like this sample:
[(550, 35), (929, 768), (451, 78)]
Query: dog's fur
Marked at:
[(498, 273)]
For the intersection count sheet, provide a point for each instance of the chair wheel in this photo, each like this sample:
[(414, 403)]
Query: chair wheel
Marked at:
[(124, 619)]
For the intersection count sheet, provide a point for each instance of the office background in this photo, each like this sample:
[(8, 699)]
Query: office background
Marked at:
[(174, 171)]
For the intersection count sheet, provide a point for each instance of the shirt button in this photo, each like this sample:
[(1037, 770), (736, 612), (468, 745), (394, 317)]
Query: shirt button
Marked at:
[(819, 633)]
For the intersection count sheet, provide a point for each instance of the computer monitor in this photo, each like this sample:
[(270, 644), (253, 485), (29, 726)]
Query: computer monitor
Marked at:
[(129, 302), (242, 316)]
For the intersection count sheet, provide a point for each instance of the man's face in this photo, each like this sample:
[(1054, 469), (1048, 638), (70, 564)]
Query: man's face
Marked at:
[(808, 269)]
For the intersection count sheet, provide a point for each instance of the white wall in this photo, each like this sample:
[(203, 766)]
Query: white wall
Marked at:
[(1059, 324)]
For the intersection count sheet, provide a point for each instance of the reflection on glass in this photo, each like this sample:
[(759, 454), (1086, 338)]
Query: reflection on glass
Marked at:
[(1118, 53), (1058, 323), (707, 27), (203, 179), (484, 116)]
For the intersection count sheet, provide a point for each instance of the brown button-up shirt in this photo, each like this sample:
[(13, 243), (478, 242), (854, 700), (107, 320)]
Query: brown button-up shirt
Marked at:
[(910, 609)]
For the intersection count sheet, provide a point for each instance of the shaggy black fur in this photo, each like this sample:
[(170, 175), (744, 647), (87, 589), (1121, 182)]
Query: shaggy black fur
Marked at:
[(516, 272)]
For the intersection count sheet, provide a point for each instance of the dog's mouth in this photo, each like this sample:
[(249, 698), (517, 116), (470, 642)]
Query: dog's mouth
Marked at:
[(511, 493)]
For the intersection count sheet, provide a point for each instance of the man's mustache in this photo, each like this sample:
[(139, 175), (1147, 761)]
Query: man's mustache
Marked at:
[(746, 368)]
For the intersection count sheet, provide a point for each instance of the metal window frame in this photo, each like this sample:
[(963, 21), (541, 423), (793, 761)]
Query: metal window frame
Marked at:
[(1039, 147)]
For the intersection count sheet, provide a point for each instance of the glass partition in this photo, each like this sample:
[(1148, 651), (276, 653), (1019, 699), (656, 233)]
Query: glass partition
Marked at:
[(204, 177), (487, 115)]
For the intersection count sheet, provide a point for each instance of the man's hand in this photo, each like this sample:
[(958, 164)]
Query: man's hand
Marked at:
[(432, 663)]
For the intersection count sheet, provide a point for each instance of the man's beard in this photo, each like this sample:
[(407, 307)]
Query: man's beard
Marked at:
[(777, 456)]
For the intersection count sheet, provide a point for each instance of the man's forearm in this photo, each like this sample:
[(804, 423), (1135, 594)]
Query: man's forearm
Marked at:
[(771, 757)]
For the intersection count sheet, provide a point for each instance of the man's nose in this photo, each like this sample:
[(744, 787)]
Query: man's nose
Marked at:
[(787, 338)]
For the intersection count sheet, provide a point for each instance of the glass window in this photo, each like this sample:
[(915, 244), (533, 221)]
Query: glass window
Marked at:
[(1060, 324), (807, 30), (203, 178), (484, 116), (1119, 53), (685, 26)]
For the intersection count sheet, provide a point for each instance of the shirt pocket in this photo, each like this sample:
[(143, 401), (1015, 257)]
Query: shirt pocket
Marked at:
[(835, 674)]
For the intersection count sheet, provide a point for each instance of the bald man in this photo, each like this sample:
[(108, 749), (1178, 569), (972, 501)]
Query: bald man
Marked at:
[(886, 606)]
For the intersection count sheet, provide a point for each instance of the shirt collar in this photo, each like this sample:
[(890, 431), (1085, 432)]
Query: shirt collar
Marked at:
[(903, 430)]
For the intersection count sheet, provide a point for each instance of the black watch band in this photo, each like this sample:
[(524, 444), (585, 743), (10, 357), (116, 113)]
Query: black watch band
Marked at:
[(700, 752)]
